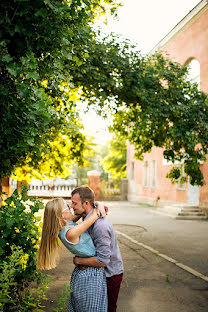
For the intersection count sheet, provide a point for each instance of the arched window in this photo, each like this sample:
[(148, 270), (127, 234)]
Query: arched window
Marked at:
[(194, 71)]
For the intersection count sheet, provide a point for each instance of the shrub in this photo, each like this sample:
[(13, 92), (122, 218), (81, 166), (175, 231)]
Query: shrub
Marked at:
[(19, 239)]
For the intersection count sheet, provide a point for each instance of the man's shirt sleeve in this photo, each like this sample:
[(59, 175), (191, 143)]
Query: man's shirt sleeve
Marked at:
[(102, 241)]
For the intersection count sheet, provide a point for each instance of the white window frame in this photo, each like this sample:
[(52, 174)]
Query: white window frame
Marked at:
[(132, 172), (153, 174), (145, 173)]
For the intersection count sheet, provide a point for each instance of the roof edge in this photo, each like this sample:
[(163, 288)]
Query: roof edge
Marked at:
[(199, 8)]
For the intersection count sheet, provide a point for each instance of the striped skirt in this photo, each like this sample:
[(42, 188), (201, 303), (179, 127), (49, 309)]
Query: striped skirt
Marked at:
[(89, 290)]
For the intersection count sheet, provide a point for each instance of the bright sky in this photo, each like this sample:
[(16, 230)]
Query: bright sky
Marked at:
[(145, 23)]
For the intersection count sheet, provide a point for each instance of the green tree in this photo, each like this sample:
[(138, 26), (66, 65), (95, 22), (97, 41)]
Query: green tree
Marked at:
[(115, 160), (79, 172), (152, 102), (165, 110), (64, 152), (40, 42), (50, 52)]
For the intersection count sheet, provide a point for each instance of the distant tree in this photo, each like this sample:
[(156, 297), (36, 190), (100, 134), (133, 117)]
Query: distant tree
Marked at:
[(115, 160), (79, 171)]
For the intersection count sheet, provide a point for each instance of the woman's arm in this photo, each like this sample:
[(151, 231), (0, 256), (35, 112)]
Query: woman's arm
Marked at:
[(74, 233)]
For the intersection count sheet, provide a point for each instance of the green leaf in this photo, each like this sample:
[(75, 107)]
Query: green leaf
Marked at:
[(33, 75), (7, 58)]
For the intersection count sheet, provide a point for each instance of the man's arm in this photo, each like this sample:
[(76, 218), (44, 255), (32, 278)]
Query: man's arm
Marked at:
[(91, 262)]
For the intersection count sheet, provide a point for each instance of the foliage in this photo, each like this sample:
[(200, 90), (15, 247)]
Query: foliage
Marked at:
[(62, 301), (151, 100), (110, 188), (19, 233), (42, 75), (11, 296), (115, 161), (79, 172), (40, 44), (167, 111), (64, 151)]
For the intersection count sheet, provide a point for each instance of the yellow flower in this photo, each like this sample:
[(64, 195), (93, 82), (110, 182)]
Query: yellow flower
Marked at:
[(23, 261), (26, 256), (45, 83), (12, 205)]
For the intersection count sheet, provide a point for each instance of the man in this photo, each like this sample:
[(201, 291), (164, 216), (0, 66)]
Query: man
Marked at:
[(104, 238)]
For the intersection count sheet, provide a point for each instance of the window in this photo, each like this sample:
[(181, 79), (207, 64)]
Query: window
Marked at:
[(194, 71), (132, 171), (153, 173), (145, 174)]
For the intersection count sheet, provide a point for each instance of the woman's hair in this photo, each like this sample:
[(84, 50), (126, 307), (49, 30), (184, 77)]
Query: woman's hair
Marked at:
[(52, 223)]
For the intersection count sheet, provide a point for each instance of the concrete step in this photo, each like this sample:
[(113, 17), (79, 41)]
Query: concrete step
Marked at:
[(198, 213), (191, 210), (192, 218), (182, 212)]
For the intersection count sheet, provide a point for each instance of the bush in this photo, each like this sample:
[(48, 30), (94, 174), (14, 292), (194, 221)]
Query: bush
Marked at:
[(19, 239)]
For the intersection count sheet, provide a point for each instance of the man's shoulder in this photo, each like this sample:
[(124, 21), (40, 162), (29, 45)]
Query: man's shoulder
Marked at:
[(103, 224)]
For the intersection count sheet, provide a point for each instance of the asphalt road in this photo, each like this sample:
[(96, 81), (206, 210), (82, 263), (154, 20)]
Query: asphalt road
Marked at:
[(184, 240)]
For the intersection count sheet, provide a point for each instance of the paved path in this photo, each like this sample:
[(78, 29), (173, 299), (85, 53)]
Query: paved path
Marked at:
[(151, 283), (183, 240)]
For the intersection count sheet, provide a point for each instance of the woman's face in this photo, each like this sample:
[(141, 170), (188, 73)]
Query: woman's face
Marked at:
[(66, 213)]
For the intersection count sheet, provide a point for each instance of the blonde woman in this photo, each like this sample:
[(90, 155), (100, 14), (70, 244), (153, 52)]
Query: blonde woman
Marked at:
[(88, 284)]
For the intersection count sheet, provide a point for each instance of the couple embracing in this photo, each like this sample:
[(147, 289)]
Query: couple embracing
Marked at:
[(96, 279)]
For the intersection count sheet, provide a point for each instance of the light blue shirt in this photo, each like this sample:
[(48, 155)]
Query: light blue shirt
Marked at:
[(84, 248)]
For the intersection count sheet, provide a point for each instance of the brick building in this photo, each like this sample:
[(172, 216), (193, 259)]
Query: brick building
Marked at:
[(186, 43)]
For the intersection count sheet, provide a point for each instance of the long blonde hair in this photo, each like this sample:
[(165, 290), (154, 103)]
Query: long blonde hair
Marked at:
[(52, 223)]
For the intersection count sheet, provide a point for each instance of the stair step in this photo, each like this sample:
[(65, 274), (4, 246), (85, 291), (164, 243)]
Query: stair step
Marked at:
[(191, 214), (191, 210), (191, 218), (182, 212)]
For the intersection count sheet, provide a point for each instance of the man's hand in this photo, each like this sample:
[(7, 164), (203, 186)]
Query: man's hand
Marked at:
[(91, 261), (76, 260)]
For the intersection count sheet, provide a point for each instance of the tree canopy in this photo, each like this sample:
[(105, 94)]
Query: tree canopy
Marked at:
[(50, 56), (41, 44)]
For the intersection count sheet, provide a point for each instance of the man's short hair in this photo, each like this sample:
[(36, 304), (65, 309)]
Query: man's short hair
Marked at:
[(85, 193)]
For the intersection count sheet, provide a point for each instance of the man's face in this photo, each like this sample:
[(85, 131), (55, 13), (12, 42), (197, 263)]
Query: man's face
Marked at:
[(77, 205)]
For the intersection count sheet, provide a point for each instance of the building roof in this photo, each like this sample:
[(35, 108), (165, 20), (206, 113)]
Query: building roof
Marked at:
[(200, 8)]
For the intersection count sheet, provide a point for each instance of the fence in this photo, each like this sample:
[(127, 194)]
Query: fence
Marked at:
[(46, 191)]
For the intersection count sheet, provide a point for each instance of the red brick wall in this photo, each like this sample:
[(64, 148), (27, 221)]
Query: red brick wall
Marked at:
[(94, 184)]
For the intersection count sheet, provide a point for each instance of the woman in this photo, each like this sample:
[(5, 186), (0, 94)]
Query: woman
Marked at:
[(89, 290)]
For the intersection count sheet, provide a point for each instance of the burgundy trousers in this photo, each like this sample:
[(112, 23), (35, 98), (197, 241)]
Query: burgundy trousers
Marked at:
[(113, 287)]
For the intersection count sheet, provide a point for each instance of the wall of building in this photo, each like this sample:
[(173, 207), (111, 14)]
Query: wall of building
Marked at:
[(145, 189)]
